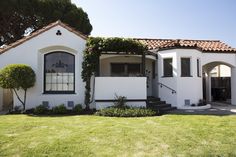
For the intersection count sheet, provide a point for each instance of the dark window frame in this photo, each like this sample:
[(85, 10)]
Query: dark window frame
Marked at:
[(165, 73), (126, 71), (198, 68), (189, 73), (44, 75)]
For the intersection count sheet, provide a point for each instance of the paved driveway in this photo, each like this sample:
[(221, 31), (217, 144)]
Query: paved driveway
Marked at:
[(216, 109)]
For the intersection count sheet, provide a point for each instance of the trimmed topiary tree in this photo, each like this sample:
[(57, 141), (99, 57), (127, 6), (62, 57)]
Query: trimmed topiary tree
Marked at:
[(16, 77)]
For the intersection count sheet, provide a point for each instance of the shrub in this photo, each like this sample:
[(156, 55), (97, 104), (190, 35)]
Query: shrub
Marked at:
[(29, 111), (60, 109), (126, 112), (120, 102), (18, 77), (202, 102), (77, 109), (16, 110), (41, 109)]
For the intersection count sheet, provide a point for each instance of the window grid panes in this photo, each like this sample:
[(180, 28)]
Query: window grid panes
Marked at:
[(185, 67), (168, 68), (59, 72), (198, 68), (125, 69)]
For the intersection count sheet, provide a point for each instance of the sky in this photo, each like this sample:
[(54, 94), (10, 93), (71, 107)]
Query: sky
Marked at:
[(175, 19)]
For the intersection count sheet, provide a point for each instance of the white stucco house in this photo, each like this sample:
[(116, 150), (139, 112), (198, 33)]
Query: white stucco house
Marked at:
[(178, 71)]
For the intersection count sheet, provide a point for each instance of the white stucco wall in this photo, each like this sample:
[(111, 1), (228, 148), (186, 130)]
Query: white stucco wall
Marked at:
[(187, 88), (131, 87), (233, 85), (190, 87), (225, 58), (164, 93), (31, 53)]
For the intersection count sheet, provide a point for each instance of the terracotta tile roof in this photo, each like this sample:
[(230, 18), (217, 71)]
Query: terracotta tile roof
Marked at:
[(203, 45), (40, 31)]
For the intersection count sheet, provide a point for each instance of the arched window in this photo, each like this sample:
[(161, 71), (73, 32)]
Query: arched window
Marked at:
[(59, 73)]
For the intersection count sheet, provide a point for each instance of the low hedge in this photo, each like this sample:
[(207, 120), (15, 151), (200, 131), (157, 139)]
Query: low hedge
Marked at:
[(77, 109), (126, 112), (60, 109), (41, 109)]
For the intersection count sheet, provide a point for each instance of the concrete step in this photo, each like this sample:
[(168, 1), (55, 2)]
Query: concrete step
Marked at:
[(153, 99), (161, 107), (156, 102), (158, 106)]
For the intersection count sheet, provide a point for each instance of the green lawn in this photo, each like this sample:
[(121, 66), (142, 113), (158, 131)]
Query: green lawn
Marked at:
[(168, 135)]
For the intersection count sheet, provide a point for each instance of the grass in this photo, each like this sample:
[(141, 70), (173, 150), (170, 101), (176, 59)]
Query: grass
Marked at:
[(169, 135)]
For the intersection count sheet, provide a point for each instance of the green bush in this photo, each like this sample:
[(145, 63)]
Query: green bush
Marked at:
[(126, 112), (77, 109), (60, 109), (41, 109), (18, 77), (120, 102)]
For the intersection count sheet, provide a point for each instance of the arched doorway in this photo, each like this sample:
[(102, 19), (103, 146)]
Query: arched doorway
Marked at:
[(217, 82)]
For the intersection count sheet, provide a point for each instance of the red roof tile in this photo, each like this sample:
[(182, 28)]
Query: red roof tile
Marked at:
[(203, 45)]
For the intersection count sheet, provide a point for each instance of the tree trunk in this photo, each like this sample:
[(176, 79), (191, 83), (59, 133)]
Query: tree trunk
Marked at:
[(24, 99), (18, 97)]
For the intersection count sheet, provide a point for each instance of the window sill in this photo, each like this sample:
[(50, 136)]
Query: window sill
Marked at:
[(166, 76), (186, 76), (58, 93)]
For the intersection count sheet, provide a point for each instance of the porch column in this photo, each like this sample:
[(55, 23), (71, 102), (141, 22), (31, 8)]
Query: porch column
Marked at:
[(143, 63), (208, 86), (233, 86)]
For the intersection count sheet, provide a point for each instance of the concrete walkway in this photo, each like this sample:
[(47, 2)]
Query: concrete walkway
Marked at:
[(218, 108)]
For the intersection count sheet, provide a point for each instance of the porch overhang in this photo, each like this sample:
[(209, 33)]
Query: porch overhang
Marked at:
[(144, 55)]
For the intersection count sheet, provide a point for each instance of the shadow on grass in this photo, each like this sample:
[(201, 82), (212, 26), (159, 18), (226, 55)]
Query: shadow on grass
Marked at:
[(208, 112), (30, 113)]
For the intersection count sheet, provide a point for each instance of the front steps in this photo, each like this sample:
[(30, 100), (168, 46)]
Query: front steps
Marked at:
[(161, 107)]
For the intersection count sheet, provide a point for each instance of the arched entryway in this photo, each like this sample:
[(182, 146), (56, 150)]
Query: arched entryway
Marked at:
[(217, 84)]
